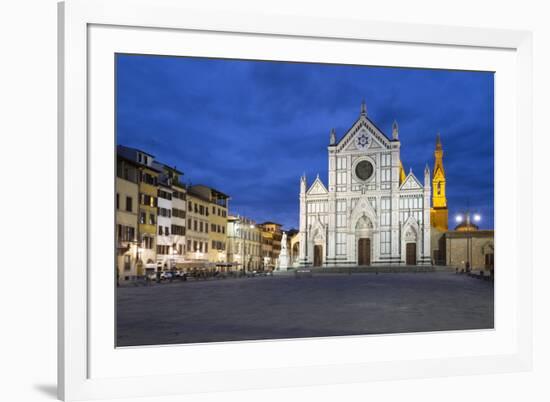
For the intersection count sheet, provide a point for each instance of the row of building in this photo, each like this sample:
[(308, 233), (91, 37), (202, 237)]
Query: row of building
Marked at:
[(165, 225), (371, 212)]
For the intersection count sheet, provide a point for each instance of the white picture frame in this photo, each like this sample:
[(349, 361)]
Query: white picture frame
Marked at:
[(90, 31)]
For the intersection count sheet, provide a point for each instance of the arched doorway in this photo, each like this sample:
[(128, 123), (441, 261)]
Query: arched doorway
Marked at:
[(317, 245), (488, 251), (411, 254), (363, 251), (363, 233), (410, 246), (317, 255)]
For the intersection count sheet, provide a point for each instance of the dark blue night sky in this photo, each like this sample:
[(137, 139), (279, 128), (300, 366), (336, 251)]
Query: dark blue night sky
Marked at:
[(250, 129)]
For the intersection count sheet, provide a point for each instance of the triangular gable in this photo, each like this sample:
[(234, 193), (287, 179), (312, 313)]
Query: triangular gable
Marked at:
[(317, 188), (375, 144), (412, 222), (362, 207), (411, 229), (411, 183), (317, 230), (381, 139)]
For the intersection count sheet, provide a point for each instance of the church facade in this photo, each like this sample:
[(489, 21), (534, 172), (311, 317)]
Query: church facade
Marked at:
[(370, 212)]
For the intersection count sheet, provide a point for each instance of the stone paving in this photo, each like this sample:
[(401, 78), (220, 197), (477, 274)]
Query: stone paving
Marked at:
[(285, 307)]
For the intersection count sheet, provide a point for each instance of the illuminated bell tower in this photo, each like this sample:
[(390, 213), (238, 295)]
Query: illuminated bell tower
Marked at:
[(439, 213)]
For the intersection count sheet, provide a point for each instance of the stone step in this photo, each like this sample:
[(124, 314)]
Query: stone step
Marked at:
[(444, 268), (374, 269)]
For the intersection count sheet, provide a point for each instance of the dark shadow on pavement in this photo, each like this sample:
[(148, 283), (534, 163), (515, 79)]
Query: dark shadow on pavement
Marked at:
[(47, 389)]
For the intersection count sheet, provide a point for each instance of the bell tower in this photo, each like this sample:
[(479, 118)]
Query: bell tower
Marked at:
[(439, 213)]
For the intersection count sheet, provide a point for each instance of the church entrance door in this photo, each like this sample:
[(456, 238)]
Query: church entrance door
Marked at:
[(411, 254), (363, 251), (317, 256)]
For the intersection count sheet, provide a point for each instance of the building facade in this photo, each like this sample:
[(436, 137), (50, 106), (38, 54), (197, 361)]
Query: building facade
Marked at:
[(271, 244), (148, 176), (244, 248), (370, 212), (470, 249), (171, 239), (127, 195), (216, 205), (179, 219), (197, 231), (164, 223)]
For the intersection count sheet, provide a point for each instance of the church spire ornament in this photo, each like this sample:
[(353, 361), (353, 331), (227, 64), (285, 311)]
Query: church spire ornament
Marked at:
[(303, 183), (363, 108), (427, 176), (332, 137), (395, 130), (438, 145)]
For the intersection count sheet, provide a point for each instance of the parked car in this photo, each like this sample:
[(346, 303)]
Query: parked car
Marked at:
[(166, 275)]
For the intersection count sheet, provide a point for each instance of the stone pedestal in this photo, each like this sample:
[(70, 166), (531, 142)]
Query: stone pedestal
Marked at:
[(283, 262), (283, 256)]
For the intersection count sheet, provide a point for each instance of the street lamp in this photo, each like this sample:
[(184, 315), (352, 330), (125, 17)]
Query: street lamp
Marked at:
[(174, 256), (135, 242), (250, 256), (468, 217)]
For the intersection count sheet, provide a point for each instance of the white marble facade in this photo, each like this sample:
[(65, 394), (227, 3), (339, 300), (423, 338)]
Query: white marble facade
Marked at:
[(371, 212)]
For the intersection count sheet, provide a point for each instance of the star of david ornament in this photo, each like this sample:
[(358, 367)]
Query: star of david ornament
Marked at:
[(362, 141)]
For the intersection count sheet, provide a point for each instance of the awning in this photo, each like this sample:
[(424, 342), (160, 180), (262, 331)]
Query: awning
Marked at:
[(195, 264)]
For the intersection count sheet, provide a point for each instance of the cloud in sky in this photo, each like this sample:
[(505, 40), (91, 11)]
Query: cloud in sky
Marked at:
[(251, 128)]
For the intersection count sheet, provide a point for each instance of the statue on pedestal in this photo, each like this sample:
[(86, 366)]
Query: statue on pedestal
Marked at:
[(283, 257)]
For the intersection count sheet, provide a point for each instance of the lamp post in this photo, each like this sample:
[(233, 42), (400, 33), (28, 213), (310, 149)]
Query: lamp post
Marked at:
[(174, 256), (468, 217), (137, 243)]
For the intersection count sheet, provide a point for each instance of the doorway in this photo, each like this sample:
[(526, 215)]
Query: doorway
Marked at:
[(411, 254), (363, 251), (317, 256), (489, 261)]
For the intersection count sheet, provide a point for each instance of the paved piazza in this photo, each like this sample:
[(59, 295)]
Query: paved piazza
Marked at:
[(287, 307)]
